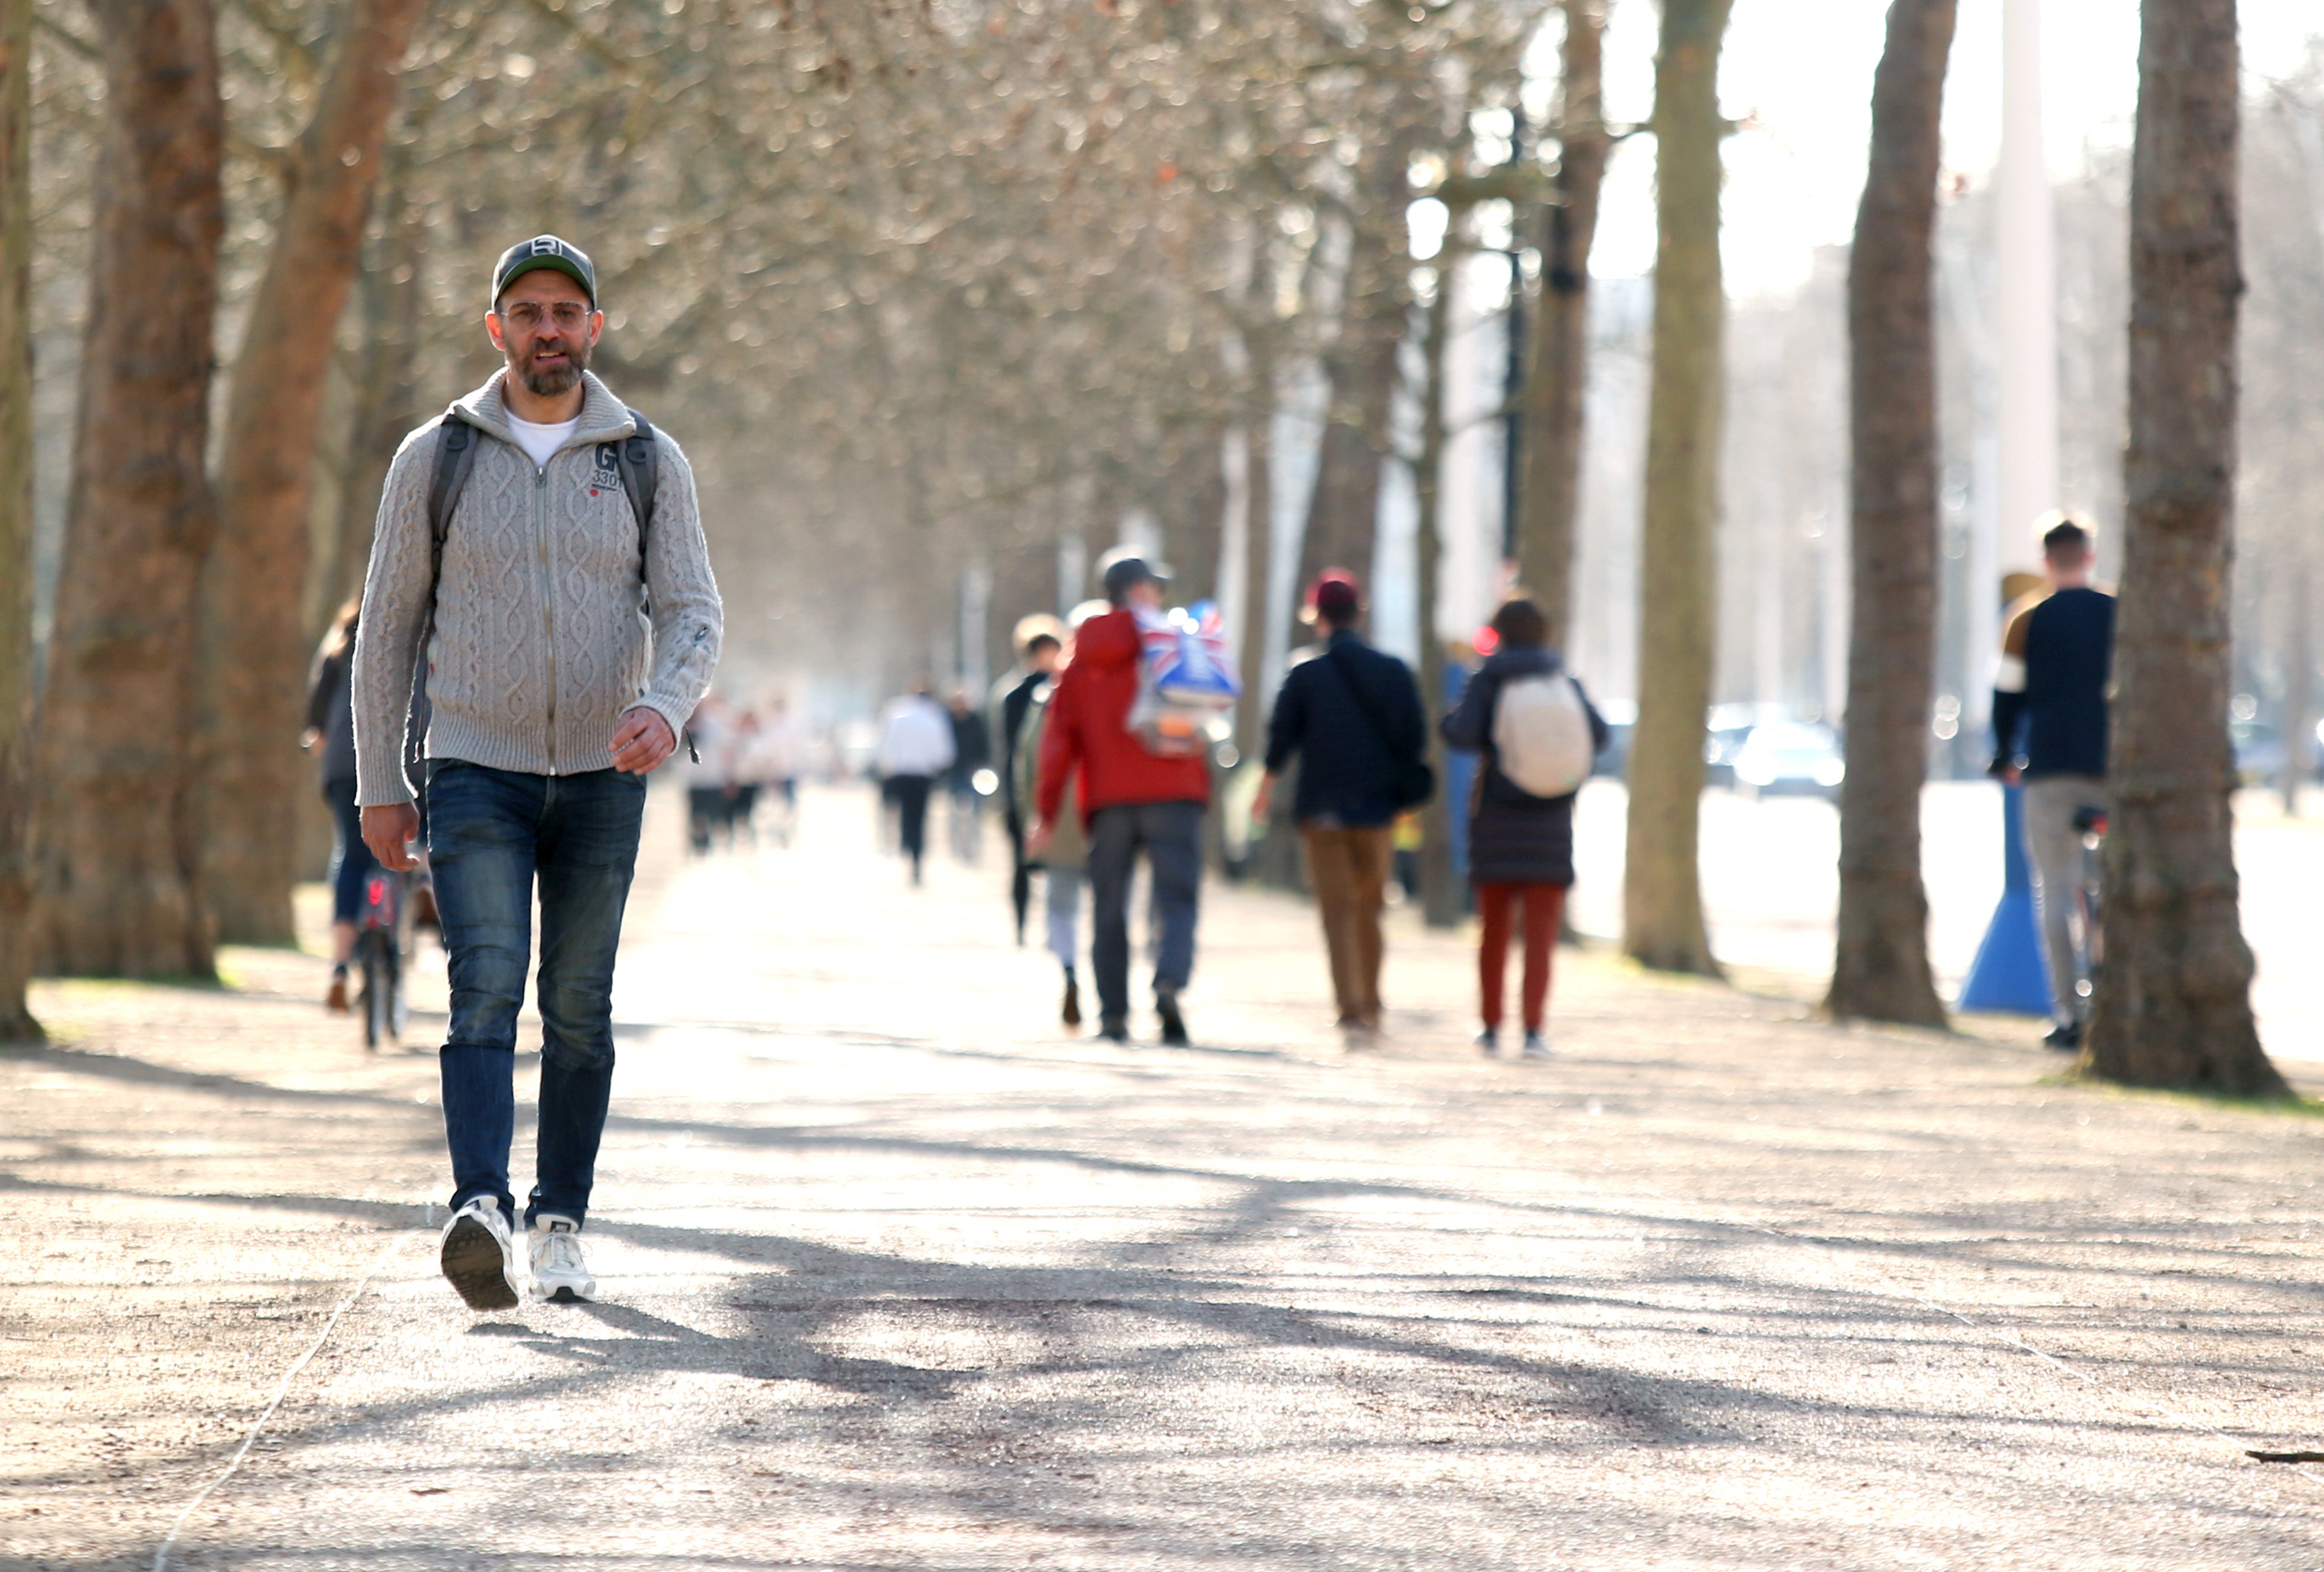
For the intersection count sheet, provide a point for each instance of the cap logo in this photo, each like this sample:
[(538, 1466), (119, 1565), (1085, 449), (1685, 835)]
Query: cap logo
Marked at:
[(548, 246)]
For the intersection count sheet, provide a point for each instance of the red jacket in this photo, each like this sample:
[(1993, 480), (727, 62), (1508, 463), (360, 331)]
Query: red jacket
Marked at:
[(1088, 729)]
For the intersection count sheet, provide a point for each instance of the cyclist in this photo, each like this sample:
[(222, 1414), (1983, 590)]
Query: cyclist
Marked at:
[(2055, 655), (550, 698)]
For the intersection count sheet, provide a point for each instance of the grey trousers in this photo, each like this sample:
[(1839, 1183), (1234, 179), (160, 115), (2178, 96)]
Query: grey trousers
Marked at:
[(1064, 906), (2054, 846)]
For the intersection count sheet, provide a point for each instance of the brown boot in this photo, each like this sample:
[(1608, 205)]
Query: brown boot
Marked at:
[(1072, 1011), (336, 1001)]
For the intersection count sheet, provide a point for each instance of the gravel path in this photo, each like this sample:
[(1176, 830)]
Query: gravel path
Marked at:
[(896, 1275)]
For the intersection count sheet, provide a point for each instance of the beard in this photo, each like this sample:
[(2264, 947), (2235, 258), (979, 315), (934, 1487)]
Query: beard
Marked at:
[(557, 379)]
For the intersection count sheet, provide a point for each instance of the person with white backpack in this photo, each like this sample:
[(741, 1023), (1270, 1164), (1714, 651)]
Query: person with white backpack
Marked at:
[(1538, 735)]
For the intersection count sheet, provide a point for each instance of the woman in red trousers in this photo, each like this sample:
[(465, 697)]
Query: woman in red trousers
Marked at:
[(1521, 845)]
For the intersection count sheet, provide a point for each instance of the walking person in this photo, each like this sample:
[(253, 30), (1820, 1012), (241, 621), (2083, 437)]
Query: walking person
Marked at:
[(916, 747), (1040, 639), (1134, 800), (1537, 733), (1351, 716), (2050, 692), (519, 536), (972, 756), (1062, 859), (331, 736), (782, 751)]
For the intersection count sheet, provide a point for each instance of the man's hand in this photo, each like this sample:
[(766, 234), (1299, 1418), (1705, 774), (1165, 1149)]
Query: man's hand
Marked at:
[(388, 831), (1264, 797), (642, 741), (1038, 835)]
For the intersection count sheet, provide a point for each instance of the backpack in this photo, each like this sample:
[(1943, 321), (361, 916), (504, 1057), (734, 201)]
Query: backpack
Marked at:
[(1186, 684), (1541, 732), (638, 458)]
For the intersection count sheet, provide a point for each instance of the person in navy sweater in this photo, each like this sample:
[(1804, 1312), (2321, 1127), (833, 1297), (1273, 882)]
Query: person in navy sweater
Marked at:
[(1352, 715), (2049, 732)]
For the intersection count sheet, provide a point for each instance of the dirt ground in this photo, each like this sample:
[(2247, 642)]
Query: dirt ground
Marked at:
[(897, 1274)]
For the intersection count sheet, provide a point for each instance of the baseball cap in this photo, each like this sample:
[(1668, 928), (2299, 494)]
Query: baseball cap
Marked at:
[(1334, 595), (1126, 566), (544, 251)]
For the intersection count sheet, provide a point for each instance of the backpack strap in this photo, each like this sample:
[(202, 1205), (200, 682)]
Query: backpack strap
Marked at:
[(455, 455), (641, 475)]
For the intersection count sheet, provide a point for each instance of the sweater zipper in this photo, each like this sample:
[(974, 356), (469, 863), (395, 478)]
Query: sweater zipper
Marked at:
[(548, 600)]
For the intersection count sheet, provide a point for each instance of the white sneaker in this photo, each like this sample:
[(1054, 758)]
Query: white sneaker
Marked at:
[(479, 1256), (559, 1271), (1536, 1046), (1489, 1042)]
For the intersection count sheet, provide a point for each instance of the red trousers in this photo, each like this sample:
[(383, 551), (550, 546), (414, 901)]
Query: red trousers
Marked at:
[(1544, 905)]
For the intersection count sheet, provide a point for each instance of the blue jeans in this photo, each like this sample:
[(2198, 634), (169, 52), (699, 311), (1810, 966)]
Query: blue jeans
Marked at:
[(1171, 835), (351, 859), (491, 833)]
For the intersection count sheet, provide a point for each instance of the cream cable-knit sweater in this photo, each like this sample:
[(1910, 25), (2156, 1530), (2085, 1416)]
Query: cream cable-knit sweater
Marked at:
[(542, 637)]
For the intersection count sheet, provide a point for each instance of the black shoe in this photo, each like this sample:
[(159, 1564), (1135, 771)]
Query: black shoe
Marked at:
[(1073, 1012), (1173, 1025), (1114, 1029), (2066, 1037)]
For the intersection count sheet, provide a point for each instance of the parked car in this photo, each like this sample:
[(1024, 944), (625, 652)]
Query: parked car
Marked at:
[(1790, 758), (1728, 727), (1622, 718)]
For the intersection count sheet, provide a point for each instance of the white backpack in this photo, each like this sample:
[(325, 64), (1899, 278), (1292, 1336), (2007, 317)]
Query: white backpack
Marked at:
[(1542, 733)]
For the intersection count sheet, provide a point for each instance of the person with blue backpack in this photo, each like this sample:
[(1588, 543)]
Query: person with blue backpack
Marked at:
[(1143, 776), (538, 578)]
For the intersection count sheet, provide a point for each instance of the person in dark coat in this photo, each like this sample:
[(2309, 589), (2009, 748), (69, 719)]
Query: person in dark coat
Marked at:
[(1521, 845), (1040, 642), (1351, 716), (330, 736)]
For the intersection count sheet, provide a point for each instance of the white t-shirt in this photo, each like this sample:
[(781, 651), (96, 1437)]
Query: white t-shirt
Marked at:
[(539, 441)]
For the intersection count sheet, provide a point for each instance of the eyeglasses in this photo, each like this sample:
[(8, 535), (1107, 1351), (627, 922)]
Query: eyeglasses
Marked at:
[(527, 316)]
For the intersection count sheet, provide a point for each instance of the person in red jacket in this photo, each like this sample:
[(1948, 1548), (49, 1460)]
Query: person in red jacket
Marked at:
[(1131, 801)]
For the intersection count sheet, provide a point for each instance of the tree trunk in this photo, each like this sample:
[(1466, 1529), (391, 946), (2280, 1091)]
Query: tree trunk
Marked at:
[(1661, 893), (1342, 517), (117, 836), (16, 1022), (1557, 377), (1440, 894), (2299, 683), (255, 639), (1880, 967), (387, 390), (2173, 1005)]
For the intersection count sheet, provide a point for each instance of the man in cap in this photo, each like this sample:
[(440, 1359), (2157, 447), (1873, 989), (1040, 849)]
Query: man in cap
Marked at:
[(521, 536), (1351, 715), (1132, 800)]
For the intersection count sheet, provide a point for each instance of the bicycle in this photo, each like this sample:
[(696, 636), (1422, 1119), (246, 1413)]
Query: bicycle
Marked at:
[(2089, 932), (383, 926)]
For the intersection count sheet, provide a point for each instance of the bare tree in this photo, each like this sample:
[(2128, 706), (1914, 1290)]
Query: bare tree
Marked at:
[(1880, 968), (1557, 375), (117, 836), (2173, 1007), (255, 637), (1662, 917), (16, 1020)]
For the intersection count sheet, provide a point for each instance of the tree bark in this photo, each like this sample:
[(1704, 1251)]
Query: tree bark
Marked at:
[(255, 639), (1557, 377), (17, 1023), (1662, 918), (1440, 894), (1343, 516), (387, 391), (2299, 683), (117, 837), (2173, 1005), (1880, 965)]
